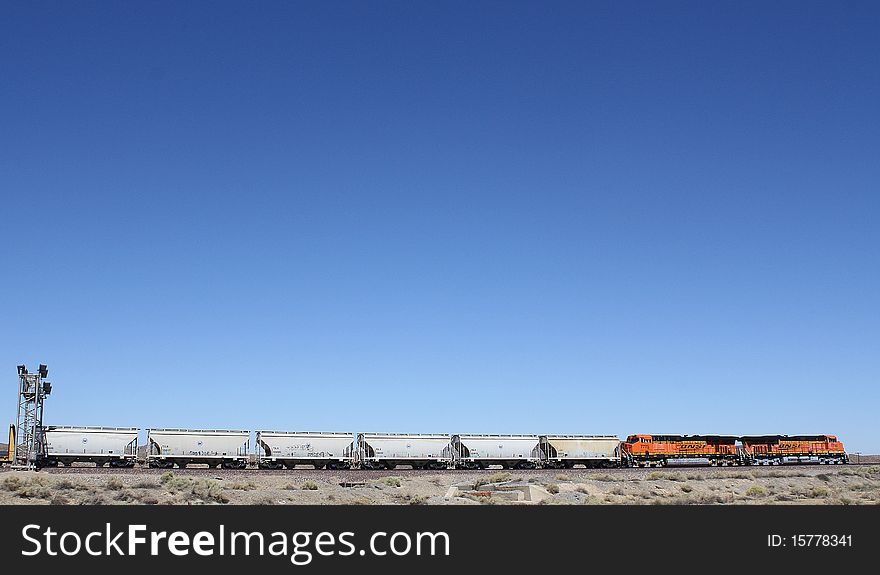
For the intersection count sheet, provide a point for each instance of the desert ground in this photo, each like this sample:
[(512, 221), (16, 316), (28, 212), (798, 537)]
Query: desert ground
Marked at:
[(809, 484)]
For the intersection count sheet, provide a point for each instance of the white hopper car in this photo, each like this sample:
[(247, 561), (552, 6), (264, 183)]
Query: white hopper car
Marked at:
[(331, 450), (170, 447), (388, 450), (229, 449), (508, 451), (116, 446), (587, 450)]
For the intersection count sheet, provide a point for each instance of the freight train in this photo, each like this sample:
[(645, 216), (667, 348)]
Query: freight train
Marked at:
[(230, 449), (647, 450)]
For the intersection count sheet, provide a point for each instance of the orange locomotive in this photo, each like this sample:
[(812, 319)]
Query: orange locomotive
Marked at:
[(648, 450), (775, 449)]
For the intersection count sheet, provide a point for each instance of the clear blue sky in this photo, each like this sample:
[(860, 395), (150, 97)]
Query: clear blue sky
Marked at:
[(445, 217)]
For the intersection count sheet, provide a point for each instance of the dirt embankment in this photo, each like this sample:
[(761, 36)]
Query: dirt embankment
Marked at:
[(784, 485)]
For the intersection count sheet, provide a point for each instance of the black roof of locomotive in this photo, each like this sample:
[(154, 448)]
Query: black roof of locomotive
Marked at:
[(773, 438)]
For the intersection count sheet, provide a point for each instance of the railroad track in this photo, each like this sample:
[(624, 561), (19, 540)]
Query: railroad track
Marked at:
[(365, 474)]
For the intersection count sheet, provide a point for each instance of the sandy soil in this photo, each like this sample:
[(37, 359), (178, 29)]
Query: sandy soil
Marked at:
[(836, 485)]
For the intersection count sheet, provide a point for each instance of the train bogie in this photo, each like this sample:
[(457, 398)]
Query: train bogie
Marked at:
[(113, 446), (227, 449), (279, 449)]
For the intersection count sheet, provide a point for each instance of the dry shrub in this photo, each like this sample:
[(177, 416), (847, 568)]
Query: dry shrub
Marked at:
[(603, 477), (59, 499), (756, 491), (820, 491), (742, 475), (200, 490), (94, 499), (114, 484), (176, 484), (714, 499), (68, 485), (12, 483), (208, 490), (33, 488), (126, 496), (389, 481), (499, 477), (866, 472)]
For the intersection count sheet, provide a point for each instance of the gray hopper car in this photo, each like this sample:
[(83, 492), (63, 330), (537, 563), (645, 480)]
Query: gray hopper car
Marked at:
[(388, 450), (116, 446), (331, 450), (566, 451), (508, 451), (181, 447)]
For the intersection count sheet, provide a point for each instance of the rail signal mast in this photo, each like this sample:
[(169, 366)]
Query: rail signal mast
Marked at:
[(30, 444)]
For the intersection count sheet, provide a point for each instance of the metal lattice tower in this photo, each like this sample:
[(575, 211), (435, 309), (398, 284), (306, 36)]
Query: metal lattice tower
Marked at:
[(29, 440)]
